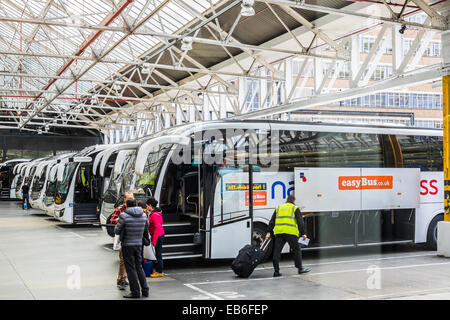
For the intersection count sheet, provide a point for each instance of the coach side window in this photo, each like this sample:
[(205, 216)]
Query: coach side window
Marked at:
[(436, 153), (329, 149), (422, 152)]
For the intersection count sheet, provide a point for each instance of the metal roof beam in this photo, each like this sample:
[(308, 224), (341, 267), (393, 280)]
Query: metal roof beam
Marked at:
[(340, 51), (346, 12), (109, 50), (152, 65), (404, 80), (436, 18)]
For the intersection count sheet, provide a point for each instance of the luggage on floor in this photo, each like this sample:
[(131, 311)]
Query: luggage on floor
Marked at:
[(148, 267), (248, 258)]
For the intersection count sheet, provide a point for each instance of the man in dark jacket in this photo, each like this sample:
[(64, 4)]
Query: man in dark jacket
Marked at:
[(132, 227), (26, 195), (122, 276), (287, 225)]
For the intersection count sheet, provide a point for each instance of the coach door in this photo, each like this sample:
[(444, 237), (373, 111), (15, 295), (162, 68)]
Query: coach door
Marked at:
[(231, 211)]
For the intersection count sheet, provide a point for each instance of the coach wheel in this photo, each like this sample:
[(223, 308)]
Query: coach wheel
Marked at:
[(259, 235), (432, 232)]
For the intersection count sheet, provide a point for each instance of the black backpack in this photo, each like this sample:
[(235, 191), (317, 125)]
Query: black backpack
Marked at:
[(110, 227)]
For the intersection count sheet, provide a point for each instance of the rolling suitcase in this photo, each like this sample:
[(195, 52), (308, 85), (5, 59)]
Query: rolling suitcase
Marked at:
[(248, 258)]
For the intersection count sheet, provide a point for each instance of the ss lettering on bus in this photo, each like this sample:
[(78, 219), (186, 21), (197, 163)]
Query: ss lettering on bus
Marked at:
[(428, 187)]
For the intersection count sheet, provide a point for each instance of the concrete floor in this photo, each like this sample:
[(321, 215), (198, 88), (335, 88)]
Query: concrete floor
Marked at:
[(41, 258)]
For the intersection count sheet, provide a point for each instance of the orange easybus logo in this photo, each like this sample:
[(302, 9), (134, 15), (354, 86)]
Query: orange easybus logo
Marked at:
[(365, 182), (259, 198)]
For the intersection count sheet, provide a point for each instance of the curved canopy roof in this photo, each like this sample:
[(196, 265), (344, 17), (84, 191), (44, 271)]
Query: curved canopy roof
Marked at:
[(76, 64)]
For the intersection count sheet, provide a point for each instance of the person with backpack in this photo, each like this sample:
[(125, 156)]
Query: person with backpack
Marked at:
[(113, 219), (287, 224), (156, 229), (26, 195), (133, 228)]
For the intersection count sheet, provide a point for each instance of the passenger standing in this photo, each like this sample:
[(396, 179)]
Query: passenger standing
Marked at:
[(143, 206), (26, 195), (286, 222), (156, 229), (132, 227), (122, 276)]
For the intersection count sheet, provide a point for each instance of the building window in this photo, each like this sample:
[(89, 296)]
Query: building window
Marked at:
[(367, 43), (417, 18), (252, 94), (394, 100), (407, 43), (344, 73), (381, 72), (433, 49)]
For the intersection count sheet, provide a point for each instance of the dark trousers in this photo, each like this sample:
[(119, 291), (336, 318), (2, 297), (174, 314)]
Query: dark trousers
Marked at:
[(26, 197), (280, 241), (158, 253), (132, 256)]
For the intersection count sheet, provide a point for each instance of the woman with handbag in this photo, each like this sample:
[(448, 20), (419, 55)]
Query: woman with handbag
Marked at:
[(156, 230)]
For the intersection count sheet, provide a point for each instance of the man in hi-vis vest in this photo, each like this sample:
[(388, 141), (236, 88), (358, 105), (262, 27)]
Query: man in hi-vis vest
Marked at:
[(287, 224)]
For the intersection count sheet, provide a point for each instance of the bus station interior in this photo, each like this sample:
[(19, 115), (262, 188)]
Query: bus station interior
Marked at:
[(221, 109)]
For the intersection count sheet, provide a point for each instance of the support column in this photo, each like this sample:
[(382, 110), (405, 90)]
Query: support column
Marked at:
[(355, 60), (223, 103), (242, 93), (4, 149), (190, 111), (397, 48), (443, 232), (166, 118), (263, 87), (205, 109), (179, 116), (318, 73), (446, 121), (289, 81), (111, 136)]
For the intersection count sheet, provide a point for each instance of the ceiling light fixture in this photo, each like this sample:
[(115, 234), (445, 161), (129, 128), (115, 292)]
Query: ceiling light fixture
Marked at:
[(145, 68), (186, 43), (247, 8)]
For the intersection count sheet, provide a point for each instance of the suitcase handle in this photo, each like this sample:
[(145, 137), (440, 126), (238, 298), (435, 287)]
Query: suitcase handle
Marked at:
[(265, 244)]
